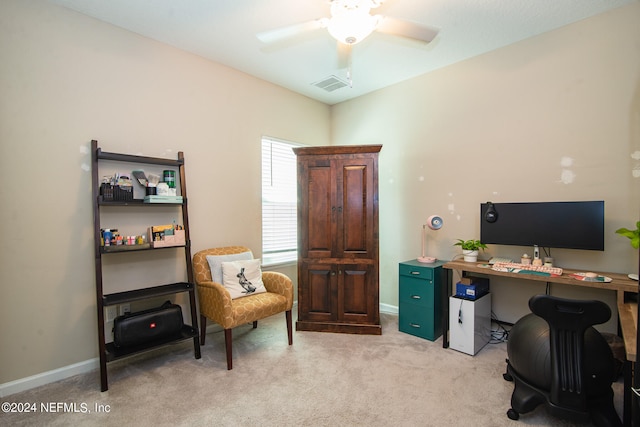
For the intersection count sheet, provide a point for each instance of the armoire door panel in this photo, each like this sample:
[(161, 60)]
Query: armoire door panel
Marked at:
[(318, 298), (358, 301), (357, 208), (320, 212), (354, 291)]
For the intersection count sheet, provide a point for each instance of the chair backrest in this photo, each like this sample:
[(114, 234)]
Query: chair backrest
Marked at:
[(568, 320), (201, 271)]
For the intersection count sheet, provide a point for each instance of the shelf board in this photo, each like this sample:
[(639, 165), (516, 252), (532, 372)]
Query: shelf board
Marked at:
[(139, 294), (135, 248), (119, 157), (114, 353), (135, 202), (124, 248)]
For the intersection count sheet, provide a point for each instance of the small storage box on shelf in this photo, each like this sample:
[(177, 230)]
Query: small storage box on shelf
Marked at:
[(116, 193), (107, 195), (169, 240)]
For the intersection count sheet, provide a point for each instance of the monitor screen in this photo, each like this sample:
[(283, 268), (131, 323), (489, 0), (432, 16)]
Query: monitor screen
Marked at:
[(571, 225)]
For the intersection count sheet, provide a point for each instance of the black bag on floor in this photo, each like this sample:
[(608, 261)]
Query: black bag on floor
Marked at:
[(148, 325)]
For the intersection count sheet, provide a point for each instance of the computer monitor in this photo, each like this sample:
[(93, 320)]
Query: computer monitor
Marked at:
[(570, 225)]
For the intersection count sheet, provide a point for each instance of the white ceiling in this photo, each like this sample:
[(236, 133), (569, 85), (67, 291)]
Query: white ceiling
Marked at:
[(225, 31)]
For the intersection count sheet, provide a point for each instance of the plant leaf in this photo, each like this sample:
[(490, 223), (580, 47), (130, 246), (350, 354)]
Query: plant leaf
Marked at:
[(625, 232), (634, 235)]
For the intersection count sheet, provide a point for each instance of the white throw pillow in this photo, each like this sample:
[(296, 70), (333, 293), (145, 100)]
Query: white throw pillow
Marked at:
[(215, 263), (242, 278)]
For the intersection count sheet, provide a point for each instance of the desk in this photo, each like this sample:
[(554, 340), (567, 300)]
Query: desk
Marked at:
[(627, 311)]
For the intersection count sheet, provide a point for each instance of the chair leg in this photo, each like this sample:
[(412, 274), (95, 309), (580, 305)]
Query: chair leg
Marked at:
[(203, 328), (228, 344), (603, 412), (289, 327), (255, 324)]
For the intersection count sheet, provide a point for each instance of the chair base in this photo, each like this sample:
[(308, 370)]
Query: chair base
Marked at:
[(526, 397), (228, 336)]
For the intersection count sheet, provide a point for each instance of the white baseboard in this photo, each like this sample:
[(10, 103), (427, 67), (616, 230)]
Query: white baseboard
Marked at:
[(24, 384), (37, 380), (389, 309)]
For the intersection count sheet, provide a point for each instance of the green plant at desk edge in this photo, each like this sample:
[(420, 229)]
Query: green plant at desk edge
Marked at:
[(634, 235), (470, 245)]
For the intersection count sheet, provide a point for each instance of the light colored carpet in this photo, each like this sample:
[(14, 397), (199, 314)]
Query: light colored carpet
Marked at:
[(324, 379)]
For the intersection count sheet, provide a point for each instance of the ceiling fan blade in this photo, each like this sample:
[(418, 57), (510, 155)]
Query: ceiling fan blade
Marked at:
[(290, 31), (411, 30)]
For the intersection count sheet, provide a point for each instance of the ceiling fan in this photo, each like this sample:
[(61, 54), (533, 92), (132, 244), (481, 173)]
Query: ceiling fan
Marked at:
[(350, 23)]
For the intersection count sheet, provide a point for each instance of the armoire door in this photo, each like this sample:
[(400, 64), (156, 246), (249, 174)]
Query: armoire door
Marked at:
[(356, 198), (317, 208), (338, 213), (317, 299), (357, 293)]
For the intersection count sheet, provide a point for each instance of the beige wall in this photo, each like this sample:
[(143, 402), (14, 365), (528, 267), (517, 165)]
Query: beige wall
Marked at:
[(66, 79), (552, 118)]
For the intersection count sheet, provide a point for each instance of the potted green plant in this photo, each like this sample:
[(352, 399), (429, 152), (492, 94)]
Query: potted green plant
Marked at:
[(470, 249), (633, 235)]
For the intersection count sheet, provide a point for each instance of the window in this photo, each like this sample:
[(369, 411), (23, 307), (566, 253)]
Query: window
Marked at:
[(279, 202)]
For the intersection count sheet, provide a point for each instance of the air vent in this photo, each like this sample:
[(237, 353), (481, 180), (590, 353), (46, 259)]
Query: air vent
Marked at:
[(331, 83)]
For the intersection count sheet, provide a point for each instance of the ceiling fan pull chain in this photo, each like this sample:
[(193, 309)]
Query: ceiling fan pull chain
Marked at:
[(349, 67)]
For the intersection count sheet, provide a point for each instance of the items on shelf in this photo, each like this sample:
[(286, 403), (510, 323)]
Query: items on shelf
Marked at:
[(148, 325), (162, 199), (119, 187), (162, 236), (155, 187), (169, 177), (111, 237), (116, 188), (157, 236)]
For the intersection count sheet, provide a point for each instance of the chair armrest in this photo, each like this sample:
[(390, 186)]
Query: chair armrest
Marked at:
[(215, 303), (279, 283)]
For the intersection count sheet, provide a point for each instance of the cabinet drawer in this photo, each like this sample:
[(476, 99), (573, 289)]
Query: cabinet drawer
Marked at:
[(417, 320), (413, 271), (417, 291)]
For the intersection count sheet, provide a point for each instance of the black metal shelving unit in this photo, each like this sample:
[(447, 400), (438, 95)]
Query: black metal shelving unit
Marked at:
[(109, 352)]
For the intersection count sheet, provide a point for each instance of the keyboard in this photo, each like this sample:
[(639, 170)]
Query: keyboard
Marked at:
[(512, 267), (498, 259)]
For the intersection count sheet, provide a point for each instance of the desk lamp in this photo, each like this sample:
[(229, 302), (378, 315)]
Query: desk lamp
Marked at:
[(434, 222)]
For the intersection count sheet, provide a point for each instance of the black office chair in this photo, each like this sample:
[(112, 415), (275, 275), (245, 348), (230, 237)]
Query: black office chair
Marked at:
[(556, 357)]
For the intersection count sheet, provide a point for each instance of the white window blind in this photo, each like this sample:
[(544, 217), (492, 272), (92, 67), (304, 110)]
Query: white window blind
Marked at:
[(279, 202)]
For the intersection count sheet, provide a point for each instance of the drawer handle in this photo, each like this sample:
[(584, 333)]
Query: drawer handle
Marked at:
[(415, 273), (414, 325), (416, 297)]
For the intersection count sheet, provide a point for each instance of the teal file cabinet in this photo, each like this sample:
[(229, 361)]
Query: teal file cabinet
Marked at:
[(420, 299)]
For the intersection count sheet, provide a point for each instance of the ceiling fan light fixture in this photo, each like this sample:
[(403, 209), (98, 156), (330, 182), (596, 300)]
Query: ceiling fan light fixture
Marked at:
[(350, 21)]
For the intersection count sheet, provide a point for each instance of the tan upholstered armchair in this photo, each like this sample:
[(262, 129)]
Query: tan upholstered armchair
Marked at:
[(216, 303)]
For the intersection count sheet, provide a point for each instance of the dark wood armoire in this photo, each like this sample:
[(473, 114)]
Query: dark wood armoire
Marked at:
[(338, 239)]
